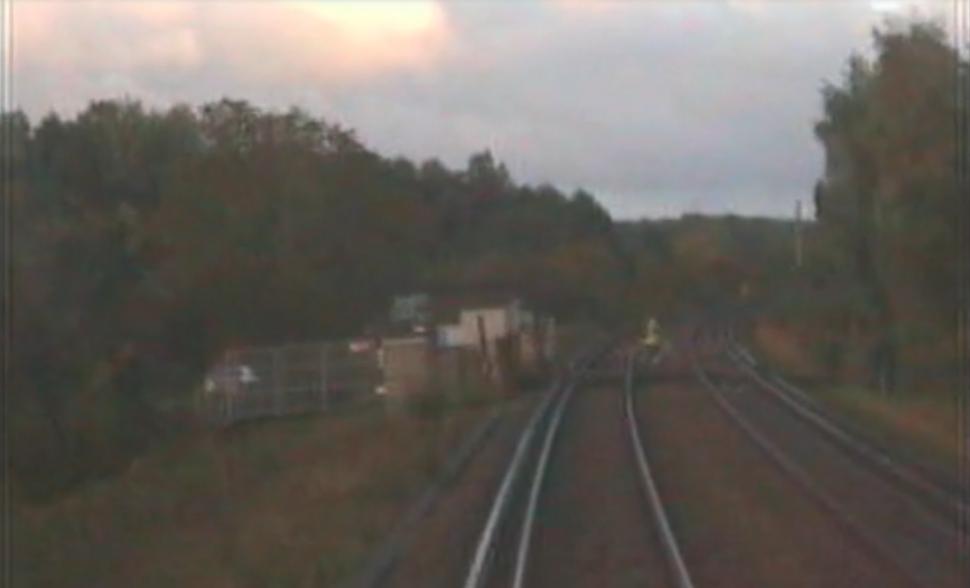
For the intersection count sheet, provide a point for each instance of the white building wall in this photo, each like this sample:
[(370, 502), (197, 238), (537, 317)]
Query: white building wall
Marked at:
[(453, 336), (498, 321)]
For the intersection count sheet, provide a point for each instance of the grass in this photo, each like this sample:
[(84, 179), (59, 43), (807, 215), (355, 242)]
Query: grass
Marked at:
[(923, 424), (287, 502)]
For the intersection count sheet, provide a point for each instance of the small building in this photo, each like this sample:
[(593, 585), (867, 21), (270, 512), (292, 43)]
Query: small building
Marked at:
[(452, 342), (405, 359), (479, 322)]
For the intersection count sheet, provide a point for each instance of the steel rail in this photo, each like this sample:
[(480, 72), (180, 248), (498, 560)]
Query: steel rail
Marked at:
[(486, 542), (867, 540), (538, 481), (878, 460), (485, 548), (671, 549)]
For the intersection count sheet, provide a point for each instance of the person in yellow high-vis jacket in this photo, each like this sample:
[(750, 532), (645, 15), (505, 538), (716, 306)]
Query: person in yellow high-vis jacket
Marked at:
[(651, 337)]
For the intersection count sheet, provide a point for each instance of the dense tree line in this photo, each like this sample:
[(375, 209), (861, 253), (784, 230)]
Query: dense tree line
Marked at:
[(712, 262), (888, 206), (147, 241)]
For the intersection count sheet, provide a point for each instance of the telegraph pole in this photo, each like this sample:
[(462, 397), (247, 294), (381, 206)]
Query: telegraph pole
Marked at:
[(799, 246)]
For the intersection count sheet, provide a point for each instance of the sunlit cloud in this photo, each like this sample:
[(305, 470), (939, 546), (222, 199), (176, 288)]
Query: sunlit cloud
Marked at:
[(586, 7), (106, 44), (331, 40), (925, 8), (889, 6), (113, 36), (374, 19), (656, 106)]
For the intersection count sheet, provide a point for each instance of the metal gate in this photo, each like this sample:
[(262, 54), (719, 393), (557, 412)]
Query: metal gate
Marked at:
[(288, 379)]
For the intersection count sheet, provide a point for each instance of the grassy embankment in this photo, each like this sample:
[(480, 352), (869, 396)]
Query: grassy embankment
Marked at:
[(288, 502), (921, 421)]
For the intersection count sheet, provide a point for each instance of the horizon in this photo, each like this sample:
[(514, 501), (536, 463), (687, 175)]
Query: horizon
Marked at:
[(656, 134)]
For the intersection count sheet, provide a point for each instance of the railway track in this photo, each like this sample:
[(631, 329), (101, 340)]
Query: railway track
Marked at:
[(487, 554), (532, 520), (675, 560), (880, 511), (580, 481), (947, 498)]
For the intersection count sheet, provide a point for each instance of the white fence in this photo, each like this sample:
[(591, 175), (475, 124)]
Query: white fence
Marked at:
[(289, 379)]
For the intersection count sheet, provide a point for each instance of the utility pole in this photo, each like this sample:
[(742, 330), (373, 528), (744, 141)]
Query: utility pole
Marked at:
[(799, 247)]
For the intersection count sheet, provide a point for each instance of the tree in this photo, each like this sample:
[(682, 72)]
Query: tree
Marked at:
[(889, 195), (155, 240), (485, 177)]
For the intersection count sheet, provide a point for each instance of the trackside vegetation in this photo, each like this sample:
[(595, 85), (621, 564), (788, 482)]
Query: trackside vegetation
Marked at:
[(147, 241), (872, 318)]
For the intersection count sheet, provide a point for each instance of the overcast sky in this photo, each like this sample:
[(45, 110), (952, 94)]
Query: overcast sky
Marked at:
[(657, 107)]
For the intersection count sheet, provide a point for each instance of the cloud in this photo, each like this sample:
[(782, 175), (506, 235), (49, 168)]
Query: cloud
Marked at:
[(654, 106), (651, 98), (326, 41), (99, 46), (64, 36)]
